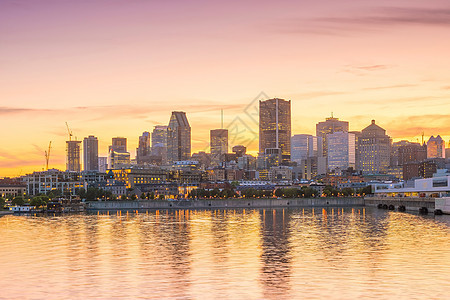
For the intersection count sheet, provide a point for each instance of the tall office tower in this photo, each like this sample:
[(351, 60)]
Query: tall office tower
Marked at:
[(341, 150), (102, 164), (73, 162), (218, 145), (413, 152), (119, 144), (159, 142), (178, 137), (436, 147), (90, 153), (374, 148), (275, 127), (304, 146), (331, 125), (143, 151)]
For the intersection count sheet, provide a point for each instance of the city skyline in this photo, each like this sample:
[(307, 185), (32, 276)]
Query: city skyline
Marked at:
[(114, 75)]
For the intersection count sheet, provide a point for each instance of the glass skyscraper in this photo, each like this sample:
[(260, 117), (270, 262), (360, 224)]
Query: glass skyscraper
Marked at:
[(275, 127), (178, 137)]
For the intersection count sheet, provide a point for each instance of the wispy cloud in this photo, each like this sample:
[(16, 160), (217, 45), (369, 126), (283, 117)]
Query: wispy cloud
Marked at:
[(397, 86), (380, 18)]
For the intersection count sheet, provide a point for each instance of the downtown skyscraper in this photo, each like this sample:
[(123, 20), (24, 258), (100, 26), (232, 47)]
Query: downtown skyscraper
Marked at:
[(73, 159), (90, 153), (218, 145), (374, 149), (178, 137), (275, 130), (331, 125)]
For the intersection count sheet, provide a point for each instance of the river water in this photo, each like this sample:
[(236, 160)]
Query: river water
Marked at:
[(337, 253)]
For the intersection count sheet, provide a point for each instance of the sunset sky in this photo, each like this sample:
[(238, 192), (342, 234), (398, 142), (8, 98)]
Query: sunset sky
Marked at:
[(119, 67)]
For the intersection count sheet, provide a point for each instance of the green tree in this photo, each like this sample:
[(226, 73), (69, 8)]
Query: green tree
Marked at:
[(133, 197), (2, 203), (143, 196), (161, 197), (347, 191), (123, 197), (278, 193), (81, 192), (18, 200)]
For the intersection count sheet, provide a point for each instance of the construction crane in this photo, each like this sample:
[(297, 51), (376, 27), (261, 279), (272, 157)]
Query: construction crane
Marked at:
[(47, 155), (69, 131)]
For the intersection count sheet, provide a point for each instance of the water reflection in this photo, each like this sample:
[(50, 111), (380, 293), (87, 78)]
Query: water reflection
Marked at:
[(296, 253)]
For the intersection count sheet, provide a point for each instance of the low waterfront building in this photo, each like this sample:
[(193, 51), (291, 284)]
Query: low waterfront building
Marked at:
[(12, 190), (133, 176), (53, 179), (427, 187)]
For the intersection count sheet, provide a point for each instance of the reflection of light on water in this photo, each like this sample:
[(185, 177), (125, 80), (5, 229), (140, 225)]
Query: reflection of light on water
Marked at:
[(291, 253)]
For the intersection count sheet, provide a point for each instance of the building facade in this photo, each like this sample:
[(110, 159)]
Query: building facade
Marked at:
[(304, 146), (90, 153), (144, 150), (374, 149), (330, 125), (178, 137), (275, 127), (73, 158), (341, 150), (218, 145), (436, 147)]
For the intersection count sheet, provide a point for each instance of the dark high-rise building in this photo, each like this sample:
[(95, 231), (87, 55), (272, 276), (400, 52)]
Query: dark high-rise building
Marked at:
[(240, 150), (218, 145), (178, 137), (143, 151), (119, 144), (90, 153), (275, 127), (436, 147), (424, 169), (412, 152), (73, 162), (374, 149), (331, 125)]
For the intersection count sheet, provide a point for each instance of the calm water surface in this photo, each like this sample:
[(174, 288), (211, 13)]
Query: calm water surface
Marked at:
[(253, 254)]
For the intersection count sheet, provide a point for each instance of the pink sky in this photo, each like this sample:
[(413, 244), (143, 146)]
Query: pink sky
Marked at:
[(117, 68)]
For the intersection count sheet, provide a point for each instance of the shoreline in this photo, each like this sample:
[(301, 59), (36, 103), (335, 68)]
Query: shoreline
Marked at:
[(225, 203)]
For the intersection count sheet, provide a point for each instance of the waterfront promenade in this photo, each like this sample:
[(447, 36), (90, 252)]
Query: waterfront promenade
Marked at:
[(227, 203)]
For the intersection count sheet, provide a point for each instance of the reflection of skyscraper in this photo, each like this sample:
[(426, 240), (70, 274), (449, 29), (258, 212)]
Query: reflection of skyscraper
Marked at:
[(178, 137), (90, 153), (276, 256), (275, 127), (331, 125), (436, 147), (374, 148), (143, 150), (219, 145), (73, 162)]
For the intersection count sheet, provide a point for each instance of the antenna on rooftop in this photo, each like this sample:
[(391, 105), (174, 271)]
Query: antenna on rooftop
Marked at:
[(221, 115)]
